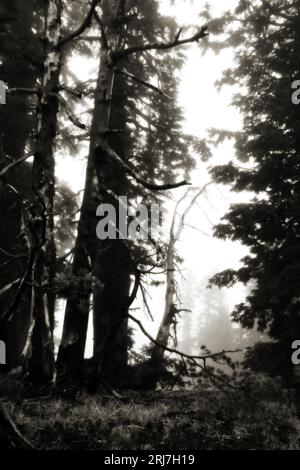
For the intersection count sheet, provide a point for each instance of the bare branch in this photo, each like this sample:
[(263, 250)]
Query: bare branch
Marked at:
[(135, 289), (71, 91), (143, 291), (25, 91), (66, 255), (14, 163), (105, 149), (161, 45), (189, 207), (85, 24), (12, 255), (197, 229), (143, 82), (175, 351), (69, 113), (8, 286), (88, 38)]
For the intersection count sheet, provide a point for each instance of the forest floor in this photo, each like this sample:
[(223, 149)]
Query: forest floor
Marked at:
[(205, 418)]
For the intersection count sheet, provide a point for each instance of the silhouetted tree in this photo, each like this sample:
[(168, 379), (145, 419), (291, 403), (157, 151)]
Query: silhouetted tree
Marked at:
[(267, 44)]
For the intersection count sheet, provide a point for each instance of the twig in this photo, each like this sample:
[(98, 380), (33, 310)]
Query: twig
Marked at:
[(143, 291), (175, 351)]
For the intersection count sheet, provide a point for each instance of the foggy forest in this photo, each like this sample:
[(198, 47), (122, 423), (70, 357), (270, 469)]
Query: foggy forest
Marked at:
[(149, 225)]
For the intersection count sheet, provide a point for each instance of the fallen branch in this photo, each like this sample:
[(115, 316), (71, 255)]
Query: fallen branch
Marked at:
[(110, 389), (7, 423)]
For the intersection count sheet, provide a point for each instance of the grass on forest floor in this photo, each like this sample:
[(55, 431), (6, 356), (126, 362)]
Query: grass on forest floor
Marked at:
[(203, 419)]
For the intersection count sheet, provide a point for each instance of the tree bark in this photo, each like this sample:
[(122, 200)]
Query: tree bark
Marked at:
[(42, 360), (71, 351), (72, 346)]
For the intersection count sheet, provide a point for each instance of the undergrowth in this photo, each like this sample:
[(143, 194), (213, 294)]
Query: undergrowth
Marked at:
[(204, 418)]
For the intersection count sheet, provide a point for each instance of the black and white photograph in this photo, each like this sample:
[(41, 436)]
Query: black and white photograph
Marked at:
[(150, 228)]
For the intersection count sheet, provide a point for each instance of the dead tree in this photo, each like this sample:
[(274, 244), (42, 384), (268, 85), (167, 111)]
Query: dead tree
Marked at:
[(170, 310)]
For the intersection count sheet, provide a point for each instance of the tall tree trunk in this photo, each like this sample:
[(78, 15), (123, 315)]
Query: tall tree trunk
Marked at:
[(72, 346), (42, 361), (71, 351), (112, 267)]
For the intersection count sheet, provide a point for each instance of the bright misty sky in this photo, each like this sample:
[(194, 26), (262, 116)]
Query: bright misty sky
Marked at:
[(204, 108)]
